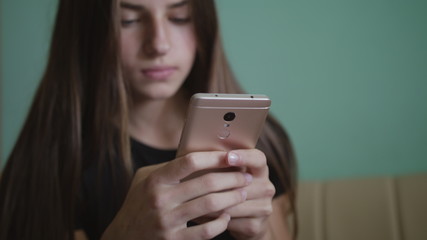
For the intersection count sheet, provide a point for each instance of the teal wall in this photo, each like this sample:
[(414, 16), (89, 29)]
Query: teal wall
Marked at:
[(25, 35), (348, 79)]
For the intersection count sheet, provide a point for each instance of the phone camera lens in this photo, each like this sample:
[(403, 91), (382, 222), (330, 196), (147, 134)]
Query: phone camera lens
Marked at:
[(230, 116)]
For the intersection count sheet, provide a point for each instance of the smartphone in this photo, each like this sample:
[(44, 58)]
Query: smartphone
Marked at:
[(223, 122)]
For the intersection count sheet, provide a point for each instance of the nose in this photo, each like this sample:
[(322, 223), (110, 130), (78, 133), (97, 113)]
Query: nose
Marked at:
[(157, 42)]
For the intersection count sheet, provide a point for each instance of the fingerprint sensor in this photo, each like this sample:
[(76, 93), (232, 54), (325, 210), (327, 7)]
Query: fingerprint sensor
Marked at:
[(223, 133)]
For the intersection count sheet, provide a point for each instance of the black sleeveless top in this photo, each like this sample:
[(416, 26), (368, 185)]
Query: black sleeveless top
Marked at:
[(97, 206)]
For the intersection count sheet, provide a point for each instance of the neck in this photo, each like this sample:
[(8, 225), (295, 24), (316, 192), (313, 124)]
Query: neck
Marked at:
[(158, 123)]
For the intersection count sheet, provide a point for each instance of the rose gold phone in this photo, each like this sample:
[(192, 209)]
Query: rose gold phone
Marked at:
[(223, 122)]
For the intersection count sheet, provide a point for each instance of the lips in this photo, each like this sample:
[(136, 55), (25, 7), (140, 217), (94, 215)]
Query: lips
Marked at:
[(158, 73)]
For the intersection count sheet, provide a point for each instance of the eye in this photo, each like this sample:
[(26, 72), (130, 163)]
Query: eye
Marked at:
[(180, 20), (127, 23)]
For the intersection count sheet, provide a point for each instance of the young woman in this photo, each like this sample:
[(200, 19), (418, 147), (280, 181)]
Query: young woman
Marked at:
[(96, 156)]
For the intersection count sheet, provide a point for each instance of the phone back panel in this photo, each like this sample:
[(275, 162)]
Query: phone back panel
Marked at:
[(210, 127)]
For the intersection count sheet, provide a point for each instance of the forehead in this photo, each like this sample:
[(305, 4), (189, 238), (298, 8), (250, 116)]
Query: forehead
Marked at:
[(153, 4)]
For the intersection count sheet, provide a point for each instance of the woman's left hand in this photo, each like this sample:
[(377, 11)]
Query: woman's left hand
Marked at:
[(249, 219)]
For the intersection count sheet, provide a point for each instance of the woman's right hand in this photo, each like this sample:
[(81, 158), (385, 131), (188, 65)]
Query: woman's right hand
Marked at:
[(159, 205)]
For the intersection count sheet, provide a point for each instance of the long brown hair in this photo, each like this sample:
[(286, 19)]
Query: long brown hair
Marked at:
[(79, 116)]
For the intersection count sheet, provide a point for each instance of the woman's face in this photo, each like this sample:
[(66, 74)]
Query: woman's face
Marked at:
[(158, 46)]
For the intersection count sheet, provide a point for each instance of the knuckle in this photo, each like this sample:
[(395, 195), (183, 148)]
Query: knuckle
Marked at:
[(190, 162), (267, 210), (253, 227), (210, 182), (163, 224), (157, 199), (156, 195), (211, 203), (207, 232), (151, 181), (270, 190), (262, 159)]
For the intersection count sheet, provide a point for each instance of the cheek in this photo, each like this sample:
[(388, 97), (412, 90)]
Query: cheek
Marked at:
[(188, 46), (191, 40), (128, 48)]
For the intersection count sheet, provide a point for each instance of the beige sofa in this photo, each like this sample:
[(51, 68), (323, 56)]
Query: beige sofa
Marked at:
[(381, 208)]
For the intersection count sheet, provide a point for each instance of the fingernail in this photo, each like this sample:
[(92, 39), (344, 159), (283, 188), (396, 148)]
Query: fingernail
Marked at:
[(248, 177), (244, 194), (233, 159)]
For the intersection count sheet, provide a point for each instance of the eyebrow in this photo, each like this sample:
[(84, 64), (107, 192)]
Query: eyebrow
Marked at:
[(178, 4), (138, 7)]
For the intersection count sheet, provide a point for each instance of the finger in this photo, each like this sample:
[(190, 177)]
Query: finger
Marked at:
[(251, 209), (178, 169), (207, 230), (210, 183), (248, 227), (260, 189), (253, 159), (210, 203)]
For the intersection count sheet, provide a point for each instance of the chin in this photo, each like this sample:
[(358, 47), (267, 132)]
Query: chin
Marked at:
[(160, 90), (158, 94)]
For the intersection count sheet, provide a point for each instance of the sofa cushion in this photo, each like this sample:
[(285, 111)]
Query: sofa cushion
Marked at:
[(366, 208)]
